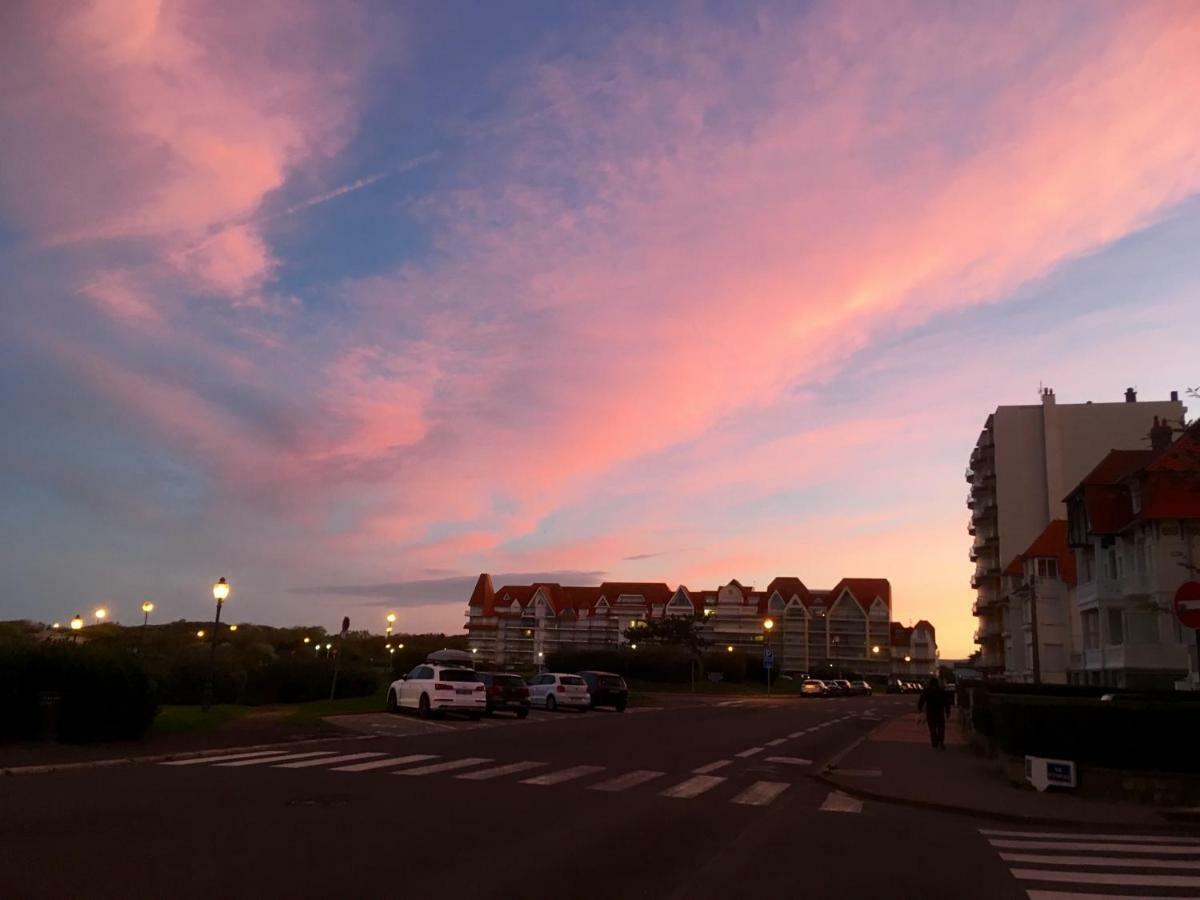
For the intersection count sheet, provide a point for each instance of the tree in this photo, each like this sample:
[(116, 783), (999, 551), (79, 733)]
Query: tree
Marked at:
[(685, 632)]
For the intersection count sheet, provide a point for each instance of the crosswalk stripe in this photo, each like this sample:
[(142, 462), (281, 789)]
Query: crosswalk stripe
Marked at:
[(693, 787), (712, 767), (273, 759), (761, 793), (326, 760), (628, 780), (1099, 862), (1097, 836), (839, 802), (1113, 878), (1078, 845), (497, 771), (789, 760), (747, 753), (796, 734), (390, 762), (776, 742), (1070, 895), (563, 775), (445, 766), (201, 760)]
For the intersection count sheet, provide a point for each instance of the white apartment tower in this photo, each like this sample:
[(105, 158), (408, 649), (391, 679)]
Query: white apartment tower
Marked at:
[(1025, 462)]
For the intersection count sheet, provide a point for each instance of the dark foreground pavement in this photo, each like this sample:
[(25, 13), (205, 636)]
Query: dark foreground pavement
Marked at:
[(689, 801)]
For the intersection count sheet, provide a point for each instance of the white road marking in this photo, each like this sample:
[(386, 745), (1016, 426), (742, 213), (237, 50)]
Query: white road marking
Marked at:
[(1099, 862), (274, 759), (1073, 845), (796, 734), (446, 766), (746, 753), (497, 771), (1060, 836), (712, 767), (789, 760), (760, 793), (839, 802), (1070, 895), (563, 775), (213, 759), (324, 761), (386, 763), (776, 742), (1115, 878), (693, 787), (628, 780)]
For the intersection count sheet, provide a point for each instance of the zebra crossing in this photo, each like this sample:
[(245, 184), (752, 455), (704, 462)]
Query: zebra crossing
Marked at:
[(1055, 865), (530, 773)]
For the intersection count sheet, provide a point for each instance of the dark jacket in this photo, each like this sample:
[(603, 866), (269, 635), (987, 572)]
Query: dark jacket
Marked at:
[(934, 701)]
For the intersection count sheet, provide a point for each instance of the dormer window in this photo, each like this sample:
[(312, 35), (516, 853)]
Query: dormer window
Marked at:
[(1047, 567)]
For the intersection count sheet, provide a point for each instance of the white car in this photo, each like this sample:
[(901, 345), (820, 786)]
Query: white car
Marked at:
[(432, 689), (552, 690)]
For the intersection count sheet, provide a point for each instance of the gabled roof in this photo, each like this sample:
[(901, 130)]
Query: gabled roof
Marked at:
[(788, 587), (864, 590), (925, 623), (1052, 544), (900, 636), (484, 595), (655, 592)]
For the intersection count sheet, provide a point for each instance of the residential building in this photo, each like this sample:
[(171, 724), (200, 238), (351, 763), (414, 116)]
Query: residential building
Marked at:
[(914, 650), (1024, 462), (1134, 524), (845, 627), (1038, 622)]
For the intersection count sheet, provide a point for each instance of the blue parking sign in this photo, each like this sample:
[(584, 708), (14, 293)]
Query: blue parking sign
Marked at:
[(768, 659)]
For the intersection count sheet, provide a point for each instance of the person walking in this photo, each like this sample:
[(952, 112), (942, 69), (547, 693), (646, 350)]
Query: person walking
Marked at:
[(935, 704)]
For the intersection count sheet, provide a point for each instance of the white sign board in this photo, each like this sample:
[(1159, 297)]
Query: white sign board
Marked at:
[(1043, 773)]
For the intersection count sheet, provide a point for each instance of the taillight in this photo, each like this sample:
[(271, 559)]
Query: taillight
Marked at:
[(479, 687), (494, 689), (443, 687), (562, 689)]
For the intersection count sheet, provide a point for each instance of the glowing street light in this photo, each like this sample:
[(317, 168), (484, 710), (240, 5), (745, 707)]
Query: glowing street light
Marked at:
[(200, 633), (56, 625), (474, 649), (768, 624), (233, 628), (220, 592), (147, 608), (77, 622), (391, 620), (729, 648), (306, 640), (101, 614), (631, 647), (908, 659), (399, 646), (875, 649)]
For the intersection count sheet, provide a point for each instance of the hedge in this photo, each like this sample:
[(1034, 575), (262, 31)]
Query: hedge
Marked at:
[(73, 694), (286, 679)]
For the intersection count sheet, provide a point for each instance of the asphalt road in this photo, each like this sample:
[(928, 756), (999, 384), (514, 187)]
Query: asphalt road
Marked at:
[(689, 800)]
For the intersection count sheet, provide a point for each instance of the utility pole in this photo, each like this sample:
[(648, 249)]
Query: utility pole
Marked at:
[(1033, 622)]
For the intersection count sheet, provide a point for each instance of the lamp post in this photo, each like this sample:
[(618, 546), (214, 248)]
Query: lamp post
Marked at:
[(220, 592), (147, 608), (101, 614), (391, 620), (768, 625), (76, 625)]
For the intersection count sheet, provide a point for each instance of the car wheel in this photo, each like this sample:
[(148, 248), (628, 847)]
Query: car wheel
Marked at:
[(522, 713), (391, 702), (474, 717), (423, 707), (551, 703)]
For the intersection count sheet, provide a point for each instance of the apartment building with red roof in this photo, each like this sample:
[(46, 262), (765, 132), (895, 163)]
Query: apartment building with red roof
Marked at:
[(846, 627), (1133, 523)]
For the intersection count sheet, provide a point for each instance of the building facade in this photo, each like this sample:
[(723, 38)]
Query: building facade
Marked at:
[(847, 627), (914, 650), (1025, 461), (1038, 622), (1134, 525)]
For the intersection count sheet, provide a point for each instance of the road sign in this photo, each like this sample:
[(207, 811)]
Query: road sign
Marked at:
[(1044, 773), (768, 659), (1187, 604)]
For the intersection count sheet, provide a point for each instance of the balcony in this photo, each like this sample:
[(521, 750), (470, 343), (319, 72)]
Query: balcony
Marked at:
[(973, 554), (971, 526)]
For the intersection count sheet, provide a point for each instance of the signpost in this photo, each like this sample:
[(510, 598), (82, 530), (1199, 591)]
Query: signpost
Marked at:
[(768, 664), (337, 656), (1043, 773), (1187, 610)]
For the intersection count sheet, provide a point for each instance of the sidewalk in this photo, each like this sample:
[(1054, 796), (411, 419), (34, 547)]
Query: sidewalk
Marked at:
[(895, 763)]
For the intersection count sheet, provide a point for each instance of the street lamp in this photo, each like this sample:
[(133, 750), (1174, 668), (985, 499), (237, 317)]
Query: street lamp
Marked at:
[(200, 633), (233, 628), (101, 614), (399, 646), (631, 647), (729, 648), (56, 625), (306, 640), (76, 624), (391, 620), (220, 592), (768, 624), (875, 649), (147, 608)]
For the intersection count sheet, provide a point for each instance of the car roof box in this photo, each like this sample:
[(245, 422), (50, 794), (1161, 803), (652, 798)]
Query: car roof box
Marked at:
[(451, 658)]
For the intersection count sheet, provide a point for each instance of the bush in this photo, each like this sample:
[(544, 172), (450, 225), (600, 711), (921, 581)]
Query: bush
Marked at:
[(646, 663), (74, 694), (261, 680), (1116, 734)]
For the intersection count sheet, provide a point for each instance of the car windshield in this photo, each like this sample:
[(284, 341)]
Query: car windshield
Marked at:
[(571, 679), (457, 675)]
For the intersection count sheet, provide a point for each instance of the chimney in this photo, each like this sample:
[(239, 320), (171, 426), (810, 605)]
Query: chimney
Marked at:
[(1160, 435), (1130, 395), (1174, 396)]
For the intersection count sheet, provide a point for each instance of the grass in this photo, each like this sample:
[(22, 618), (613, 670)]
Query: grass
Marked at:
[(312, 713), (191, 719)]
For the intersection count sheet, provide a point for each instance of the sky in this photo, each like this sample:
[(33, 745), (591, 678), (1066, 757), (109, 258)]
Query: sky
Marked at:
[(349, 302)]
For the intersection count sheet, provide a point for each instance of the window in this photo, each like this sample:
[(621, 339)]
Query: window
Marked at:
[(1116, 630), (1047, 567), (458, 675), (571, 679)]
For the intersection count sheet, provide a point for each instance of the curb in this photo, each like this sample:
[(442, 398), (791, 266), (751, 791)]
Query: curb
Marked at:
[(168, 757), (825, 777)]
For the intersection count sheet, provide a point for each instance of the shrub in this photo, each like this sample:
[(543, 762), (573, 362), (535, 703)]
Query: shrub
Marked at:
[(101, 696)]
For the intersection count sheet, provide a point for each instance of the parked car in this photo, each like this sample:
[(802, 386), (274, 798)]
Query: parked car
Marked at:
[(843, 687), (606, 689), (813, 688), (860, 688), (505, 693), (555, 689), (432, 690)]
